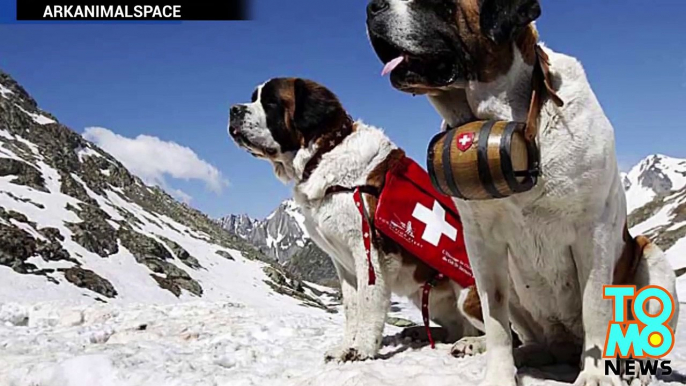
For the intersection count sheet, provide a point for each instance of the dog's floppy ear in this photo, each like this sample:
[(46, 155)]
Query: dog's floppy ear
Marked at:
[(502, 20), (316, 109)]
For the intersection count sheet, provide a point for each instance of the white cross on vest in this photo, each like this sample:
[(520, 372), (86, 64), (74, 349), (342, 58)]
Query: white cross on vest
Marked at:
[(435, 223)]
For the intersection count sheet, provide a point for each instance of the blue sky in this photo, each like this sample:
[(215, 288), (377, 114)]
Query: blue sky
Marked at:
[(176, 82)]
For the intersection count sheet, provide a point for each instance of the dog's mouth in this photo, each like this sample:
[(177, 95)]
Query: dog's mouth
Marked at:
[(254, 149), (416, 72)]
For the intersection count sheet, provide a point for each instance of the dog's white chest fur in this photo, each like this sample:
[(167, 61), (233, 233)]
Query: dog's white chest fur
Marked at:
[(579, 186)]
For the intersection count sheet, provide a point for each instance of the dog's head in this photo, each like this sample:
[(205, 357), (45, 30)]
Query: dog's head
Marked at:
[(445, 43), (284, 116)]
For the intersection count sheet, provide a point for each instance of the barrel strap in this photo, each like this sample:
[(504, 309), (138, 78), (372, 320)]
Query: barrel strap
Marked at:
[(541, 88)]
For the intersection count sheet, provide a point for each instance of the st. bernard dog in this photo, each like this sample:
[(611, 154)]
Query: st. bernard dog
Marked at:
[(301, 128), (566, 238)]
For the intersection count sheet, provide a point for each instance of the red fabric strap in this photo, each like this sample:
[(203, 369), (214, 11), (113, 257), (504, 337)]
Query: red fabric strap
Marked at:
[(366, 235), (426, 290)]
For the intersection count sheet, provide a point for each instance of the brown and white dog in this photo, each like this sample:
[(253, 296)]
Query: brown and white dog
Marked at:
[(566, 238), (301, 128)]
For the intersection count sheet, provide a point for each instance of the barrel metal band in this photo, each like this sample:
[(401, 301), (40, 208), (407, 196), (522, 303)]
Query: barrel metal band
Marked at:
[(482, 158), (505, 157)]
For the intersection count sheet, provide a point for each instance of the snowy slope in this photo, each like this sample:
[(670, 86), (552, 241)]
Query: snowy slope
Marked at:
[(656, 198)]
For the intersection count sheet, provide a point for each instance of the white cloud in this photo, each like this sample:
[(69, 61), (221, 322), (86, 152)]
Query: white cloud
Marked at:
[(180, 195), (154, 160)]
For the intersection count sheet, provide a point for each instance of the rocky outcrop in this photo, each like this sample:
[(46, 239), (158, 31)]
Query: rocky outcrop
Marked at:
[(181, 253), (314, 265), (16, 246), (94, 233), (225, 254), (25, 174), (155, 256), (85, 278)]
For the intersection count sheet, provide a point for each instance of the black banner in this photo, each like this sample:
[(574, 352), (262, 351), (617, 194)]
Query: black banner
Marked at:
[(132, 10)]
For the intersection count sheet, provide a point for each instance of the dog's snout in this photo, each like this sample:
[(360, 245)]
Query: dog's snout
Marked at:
[(237, 112), (376, 7), (236, 116)]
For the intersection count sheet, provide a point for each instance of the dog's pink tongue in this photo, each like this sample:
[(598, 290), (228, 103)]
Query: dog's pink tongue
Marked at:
[(390, 66)]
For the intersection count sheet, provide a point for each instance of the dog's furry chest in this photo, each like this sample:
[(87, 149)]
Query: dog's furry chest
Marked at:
[(543, 275)]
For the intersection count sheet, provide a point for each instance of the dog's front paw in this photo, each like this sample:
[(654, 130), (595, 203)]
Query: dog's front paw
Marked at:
[(637, 379), (595, 377), (468, 346), (349, 354)]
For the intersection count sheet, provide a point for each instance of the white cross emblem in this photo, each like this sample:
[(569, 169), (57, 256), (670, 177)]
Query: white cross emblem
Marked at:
[(464, 140), (436, 226)]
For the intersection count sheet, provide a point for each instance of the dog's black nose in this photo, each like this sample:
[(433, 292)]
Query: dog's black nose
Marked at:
[(376, 7), (236, 115), (237, 112)]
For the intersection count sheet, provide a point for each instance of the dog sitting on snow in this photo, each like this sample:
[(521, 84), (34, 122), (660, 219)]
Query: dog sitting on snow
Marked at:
[(567, 238), (302, 129)]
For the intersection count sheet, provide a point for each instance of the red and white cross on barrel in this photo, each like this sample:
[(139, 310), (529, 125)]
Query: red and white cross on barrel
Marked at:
[(465, 141)]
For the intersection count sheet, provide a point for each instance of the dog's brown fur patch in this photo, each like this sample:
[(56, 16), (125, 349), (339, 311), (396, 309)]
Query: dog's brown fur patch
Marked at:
[(472, 304), (626, 267), (492, 60)]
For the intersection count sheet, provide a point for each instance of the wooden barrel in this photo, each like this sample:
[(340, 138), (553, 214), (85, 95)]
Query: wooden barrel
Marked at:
[(483, 160)]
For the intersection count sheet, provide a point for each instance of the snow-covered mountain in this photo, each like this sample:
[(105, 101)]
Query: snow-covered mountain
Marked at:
[(283, 237), (76, 225), (279, 236), (654, 176), (656, 200)]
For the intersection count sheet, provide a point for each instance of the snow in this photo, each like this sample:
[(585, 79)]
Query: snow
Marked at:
[(4, 91), (38, 118), (677, 255), (86, 152), (222, 343), (293, 211), (660, 218), (672, 168)]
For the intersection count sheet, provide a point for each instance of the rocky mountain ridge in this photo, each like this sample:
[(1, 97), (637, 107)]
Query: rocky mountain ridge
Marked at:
[(283, 237)]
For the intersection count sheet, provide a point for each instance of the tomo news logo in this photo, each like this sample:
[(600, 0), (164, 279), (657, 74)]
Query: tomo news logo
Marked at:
[(645, 336)]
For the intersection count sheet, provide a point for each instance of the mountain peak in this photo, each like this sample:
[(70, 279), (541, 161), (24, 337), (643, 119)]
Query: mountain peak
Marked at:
[(655, 175)]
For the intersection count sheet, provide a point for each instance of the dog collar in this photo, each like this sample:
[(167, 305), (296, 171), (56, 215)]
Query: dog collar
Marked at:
[(325, 144)]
